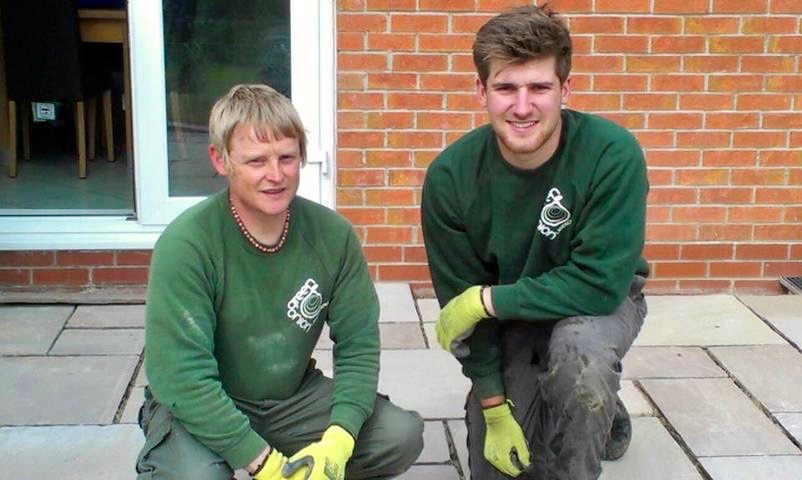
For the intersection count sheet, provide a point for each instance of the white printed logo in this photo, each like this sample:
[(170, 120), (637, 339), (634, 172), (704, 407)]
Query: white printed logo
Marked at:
[(554, 217), (305, 305)]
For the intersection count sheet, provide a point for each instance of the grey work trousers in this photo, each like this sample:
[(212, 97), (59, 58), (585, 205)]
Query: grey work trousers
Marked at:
[(563, 378), (388, 444)]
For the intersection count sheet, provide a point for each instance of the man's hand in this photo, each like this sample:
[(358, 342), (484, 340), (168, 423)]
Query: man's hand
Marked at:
[(458, 319), (323, 460), (271, 469), (505, 444)]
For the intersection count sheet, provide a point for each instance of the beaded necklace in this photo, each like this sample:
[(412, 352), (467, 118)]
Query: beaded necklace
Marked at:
[(256, 243)]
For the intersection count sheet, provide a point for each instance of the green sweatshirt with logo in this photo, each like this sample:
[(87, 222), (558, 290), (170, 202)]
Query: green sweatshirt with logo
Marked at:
[(564, 239), (226, 320)]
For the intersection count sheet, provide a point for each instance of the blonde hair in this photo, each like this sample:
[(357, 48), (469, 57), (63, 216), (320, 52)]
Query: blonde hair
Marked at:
[(270, 113)]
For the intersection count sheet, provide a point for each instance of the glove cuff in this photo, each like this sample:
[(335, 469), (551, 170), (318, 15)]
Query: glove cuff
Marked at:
[(499, 411), (340, 436)]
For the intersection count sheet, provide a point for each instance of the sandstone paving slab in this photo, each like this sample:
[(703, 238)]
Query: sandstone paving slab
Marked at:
[(459, 434), (636, 403), (429, 309), (716, 419), (771, 373), (670, 362), (127, 341), (141, 377), (431, 335), (749, 468), (108, 316), (393, 336), (30, 330), (132, 405), (396, 302), (428, 381), (653, 455), (435, 444), (791, 328), (63, 390), (70, 453), (792, 422), (703, 320), (783, 312), (430, 472)]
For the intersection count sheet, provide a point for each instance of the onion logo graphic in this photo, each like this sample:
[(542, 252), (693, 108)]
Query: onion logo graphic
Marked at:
[(553, 213), (311, 305), (305, 306)]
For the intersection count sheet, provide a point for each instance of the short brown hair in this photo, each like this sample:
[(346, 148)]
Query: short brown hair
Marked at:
[(269, 112), (522, 34)]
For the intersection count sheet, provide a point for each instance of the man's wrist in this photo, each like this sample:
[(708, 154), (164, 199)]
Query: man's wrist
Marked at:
[(493, 401), (486, 297), (256, 465)]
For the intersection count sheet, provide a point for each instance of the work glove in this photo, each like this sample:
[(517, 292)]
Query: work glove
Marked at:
[(271, 469), (323, 460), (505, 445), (458, 319)]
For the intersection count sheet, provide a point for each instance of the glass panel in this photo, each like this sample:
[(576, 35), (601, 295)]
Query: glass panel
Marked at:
[(211, 45)]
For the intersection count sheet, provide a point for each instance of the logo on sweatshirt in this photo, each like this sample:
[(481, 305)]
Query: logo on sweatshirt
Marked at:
[(554, 217), (305, 306)]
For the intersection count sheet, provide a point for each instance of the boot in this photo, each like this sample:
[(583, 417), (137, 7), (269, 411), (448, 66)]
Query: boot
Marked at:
[(620, 433)]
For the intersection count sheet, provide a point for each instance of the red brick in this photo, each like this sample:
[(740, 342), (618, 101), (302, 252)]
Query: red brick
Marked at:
[(707, 251), (658, 287), (388, 235), (359, 101), (390, 120), (364, 216), (350, 158), (782, 269), (629, 120), (660, 177), (597, 24), (415, 254), (392, 81), (416, 23), (671, 232), (704, 286), (447, 5), (678, 44), (15, 276), (698, 214), (447, 82), (761, 251), (792, 214), (120, 276), (725, 232), (406, 177), (731, 120), (376, 254), (361, 22), (703, 176), (786, 6), (703, 139), (351, 5), (445, 42), (350, 120), (468, 23), (780, 158), (414, 139), (650, 101), (735, 269), (360, 139), (350, 41), (393, 42), (360, 177), (414, 101), (84, 258), (572, 6), (661, 251), (652, 63), (680, 269), (622, 6), (736, 44), (385, 5), (735, 83), (403, 272), (711, 63), (756, 214), (759, 139), (711, 25), (759, 287), (27, 259), (672, 158), (462, 64), (133, 257), (672, 120), (597, 63), (655, 139), (784, 83), (741, 6), (726, 195), (61, 276), (677, 83), (362, 61), (443, 121), (764, 101), (388, 158), (594, 102), (779, 195), (729, 158), (770, 24), (350, 81), (388, 196), (761, 176), (350, 196), (403, 216), (654, 25), (782, 120), (621, 43), (680, 6), (420, 62), (658, 214), (767, 63), (462, 101), (706, 101), (423, 158)]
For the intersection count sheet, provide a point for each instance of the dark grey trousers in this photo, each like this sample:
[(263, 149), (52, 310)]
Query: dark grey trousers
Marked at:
[(563, 378), (388, 444)]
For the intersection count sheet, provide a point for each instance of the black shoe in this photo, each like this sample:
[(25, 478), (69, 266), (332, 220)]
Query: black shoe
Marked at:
[(620, 434)]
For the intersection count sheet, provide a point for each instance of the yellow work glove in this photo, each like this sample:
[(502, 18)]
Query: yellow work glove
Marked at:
[(505, 444), (323, 460), (271, 469), (458, 318)]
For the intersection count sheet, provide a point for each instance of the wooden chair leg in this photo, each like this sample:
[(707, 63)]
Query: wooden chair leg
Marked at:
[(80, 136), (26, 130), (91, 118), (12, 138), (107, 125)]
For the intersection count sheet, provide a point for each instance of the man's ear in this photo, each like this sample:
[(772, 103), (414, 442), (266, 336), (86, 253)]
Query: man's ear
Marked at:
[(565, 90), (481, 92), (217, 161)]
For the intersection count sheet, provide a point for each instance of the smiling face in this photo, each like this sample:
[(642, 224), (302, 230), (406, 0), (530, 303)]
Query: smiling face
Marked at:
[(523, 102), (263, 175)]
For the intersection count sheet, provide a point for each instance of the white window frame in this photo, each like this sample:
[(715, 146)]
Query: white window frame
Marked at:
[(313, 87)]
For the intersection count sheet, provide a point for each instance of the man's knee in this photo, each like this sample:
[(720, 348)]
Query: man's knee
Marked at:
[(585, 377), (389, 444)]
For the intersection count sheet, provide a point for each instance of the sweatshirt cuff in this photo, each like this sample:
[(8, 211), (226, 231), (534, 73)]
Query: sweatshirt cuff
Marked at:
[(349, 418), (489, 386), (505, 301), (243, 453)]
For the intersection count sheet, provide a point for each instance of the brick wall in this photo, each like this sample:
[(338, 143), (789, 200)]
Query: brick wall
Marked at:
[(73, 269), (711, 88)]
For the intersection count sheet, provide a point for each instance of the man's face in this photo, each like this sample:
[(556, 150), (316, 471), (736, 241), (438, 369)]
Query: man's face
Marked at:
[(263, 176), (523, 102)]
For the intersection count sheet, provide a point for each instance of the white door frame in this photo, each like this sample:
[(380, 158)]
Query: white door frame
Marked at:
[(313, 86)]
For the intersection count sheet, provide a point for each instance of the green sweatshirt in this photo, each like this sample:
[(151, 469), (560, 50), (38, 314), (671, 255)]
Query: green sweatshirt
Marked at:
[(226, 320), (561, 240)]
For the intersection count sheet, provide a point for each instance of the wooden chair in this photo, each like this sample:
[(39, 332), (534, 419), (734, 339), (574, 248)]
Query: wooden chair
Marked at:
[(46, 62)]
